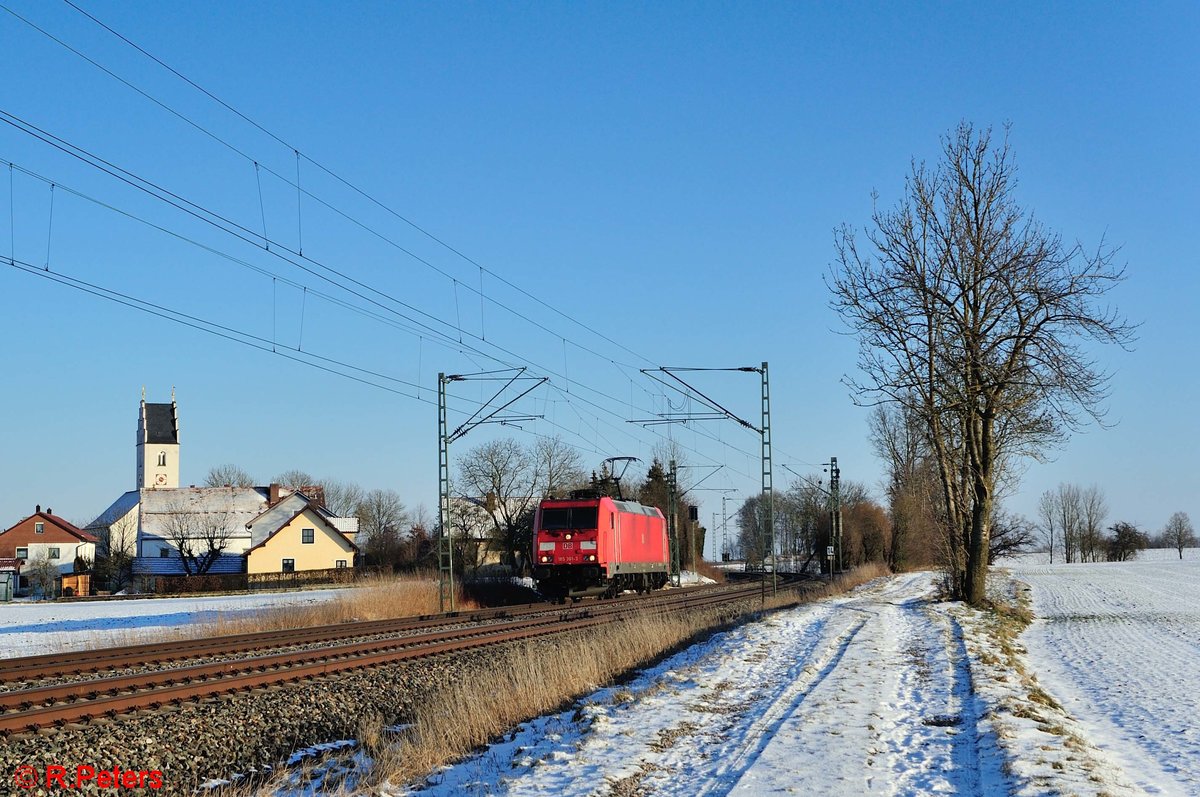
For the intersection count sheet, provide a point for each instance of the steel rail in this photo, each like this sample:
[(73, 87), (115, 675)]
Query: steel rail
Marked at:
[(28, 668), (44, 706)]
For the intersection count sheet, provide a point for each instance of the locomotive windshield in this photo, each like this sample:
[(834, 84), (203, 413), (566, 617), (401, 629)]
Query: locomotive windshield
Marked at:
[(574, 517)]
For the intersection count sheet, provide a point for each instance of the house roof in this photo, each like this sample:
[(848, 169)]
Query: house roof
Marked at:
[(62, 523), (160, 424), (116, 511), (269, 523), (238, 505)]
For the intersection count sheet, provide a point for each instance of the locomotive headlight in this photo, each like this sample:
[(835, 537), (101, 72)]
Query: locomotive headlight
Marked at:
[(591, 557), (568, 536)]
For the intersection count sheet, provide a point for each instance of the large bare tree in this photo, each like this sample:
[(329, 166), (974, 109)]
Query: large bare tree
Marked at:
[(973, 315)]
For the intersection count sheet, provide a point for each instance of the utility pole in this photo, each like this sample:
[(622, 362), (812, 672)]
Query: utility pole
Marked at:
[(835, 511), (445, 546), (726, 554), (767, 489), (672, 529)]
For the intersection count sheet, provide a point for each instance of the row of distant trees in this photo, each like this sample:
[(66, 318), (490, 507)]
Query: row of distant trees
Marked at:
[(495, 490), (1072, 521)]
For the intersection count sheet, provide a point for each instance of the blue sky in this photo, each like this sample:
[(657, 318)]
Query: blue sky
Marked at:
[(667, 174)]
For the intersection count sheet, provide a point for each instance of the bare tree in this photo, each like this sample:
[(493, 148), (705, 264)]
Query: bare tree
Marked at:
[(973, 315), (228, 475), (382, 519), (342, 498), (295, 479), (1178, 533), (559, 464), (115, 555), (43, 576), (514, 478), (199, 537), (1048, 513), (1093, 510), (1011, 534)]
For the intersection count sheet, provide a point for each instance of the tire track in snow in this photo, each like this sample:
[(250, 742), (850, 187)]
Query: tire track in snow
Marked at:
[(921, 723), (760, 731)]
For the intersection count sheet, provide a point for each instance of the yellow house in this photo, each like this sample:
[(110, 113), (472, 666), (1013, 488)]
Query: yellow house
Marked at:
[(293, 535)]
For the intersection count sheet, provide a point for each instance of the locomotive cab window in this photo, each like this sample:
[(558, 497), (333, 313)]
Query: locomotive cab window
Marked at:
[(577, 517)]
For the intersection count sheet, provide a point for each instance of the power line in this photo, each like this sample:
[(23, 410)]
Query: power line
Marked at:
[(231, 227), (258, 165)]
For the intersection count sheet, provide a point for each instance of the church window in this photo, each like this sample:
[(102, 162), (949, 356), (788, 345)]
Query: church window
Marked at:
[(307, 536), (162, 459)]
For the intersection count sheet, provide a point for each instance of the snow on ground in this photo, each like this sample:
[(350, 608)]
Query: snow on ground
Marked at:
[(868, 693), (32, 628), (1118, 644)]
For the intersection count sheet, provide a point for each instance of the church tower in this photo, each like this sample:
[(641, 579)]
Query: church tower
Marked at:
[(158, 444)]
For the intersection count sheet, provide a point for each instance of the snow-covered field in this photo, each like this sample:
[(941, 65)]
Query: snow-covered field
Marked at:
[(1118, 644), (35, 627)]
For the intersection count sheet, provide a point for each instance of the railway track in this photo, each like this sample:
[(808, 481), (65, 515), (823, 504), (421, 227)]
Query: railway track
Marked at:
[(174, 680)]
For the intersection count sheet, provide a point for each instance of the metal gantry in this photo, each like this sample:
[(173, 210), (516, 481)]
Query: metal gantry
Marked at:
[(445, 543), (718, 412)]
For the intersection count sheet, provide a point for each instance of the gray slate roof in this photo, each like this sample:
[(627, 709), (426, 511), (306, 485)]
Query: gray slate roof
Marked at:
[(118, 510), (160, 424), (238, 506)]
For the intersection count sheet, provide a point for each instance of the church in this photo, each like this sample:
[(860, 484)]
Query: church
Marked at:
[(172, 530)]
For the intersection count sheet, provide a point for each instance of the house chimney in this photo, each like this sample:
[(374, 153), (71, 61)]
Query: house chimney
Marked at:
[(37, 509), (49, 511), (273, 494)]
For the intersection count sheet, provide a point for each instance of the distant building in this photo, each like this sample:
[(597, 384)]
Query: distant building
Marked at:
[(44, 535), (173, 530), (297, 534)]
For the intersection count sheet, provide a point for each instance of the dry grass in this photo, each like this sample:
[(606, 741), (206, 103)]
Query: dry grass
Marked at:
[(709, 570), (380, 598), (521, 681), (468, 713)]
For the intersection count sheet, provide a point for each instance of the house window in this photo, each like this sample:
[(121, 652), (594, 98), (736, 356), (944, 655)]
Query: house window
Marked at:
[(289, 565), (308, 536), (53, 553), (162, 459), (164, 552), (340, 563), (22, 553), (39, 528)]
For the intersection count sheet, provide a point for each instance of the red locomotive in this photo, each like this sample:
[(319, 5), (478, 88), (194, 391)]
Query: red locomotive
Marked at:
[(598, 546)]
